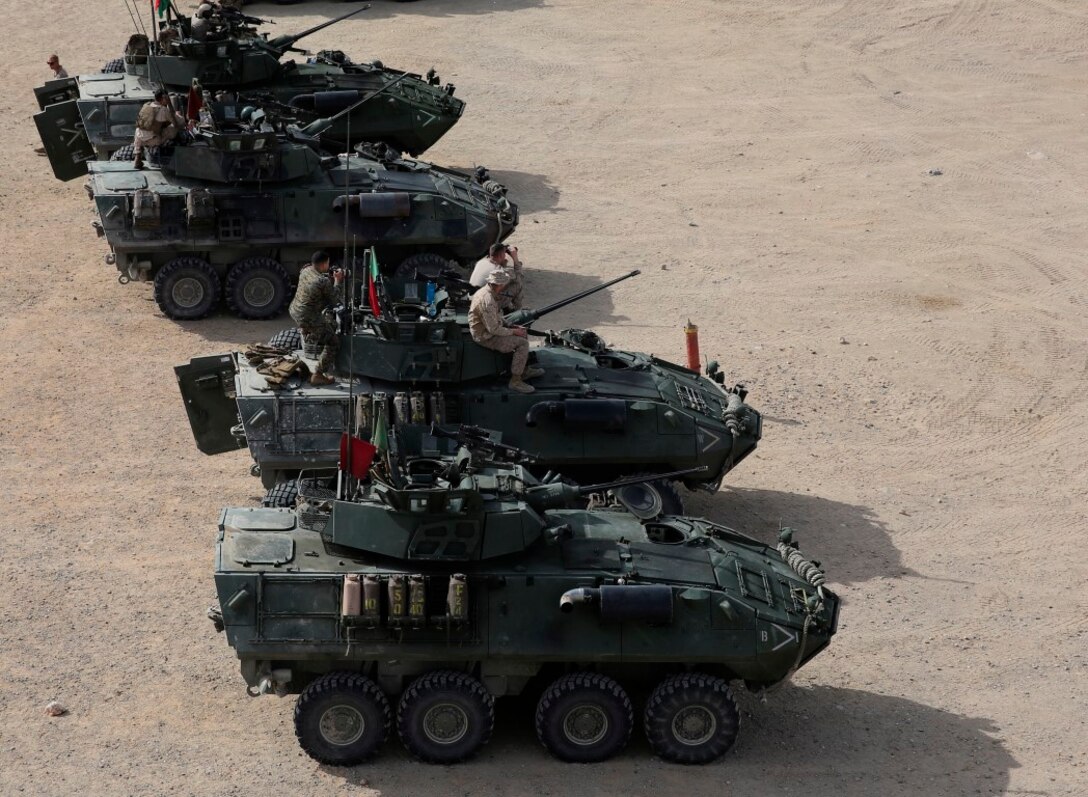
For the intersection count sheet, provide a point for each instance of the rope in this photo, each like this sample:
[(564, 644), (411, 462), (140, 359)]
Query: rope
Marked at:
[(802, 566)]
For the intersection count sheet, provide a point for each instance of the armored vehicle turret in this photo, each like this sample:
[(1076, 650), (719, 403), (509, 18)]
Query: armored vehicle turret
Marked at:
[(598, 411), (237, 211), (92, 116), (442, 582)]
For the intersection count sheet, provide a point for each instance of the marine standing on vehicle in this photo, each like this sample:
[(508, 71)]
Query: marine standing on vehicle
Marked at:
[(156, 124), (316, 293), (485, 323)]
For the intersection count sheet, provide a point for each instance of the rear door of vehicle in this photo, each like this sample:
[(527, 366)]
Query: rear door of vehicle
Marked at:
[(207, 387)]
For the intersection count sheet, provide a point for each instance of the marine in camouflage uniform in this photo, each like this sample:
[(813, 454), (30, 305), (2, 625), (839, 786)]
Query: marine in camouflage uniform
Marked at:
[(486, 325), (316, 293), (156, 124)]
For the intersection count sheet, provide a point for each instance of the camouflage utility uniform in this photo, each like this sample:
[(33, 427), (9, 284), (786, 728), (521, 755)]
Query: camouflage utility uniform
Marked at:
[(155, 125), (487, 328), (315, 293)]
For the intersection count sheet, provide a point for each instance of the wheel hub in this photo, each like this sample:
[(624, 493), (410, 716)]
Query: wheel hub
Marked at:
[(694, 725), (259, 292), (585, 724), (342, 725), (445, 723), (187, 292)]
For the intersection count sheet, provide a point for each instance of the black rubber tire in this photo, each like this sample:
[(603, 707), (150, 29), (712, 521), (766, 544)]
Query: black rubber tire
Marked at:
[(288, 339), (580, 690), (283, 494), (201, 274), (358, 698), (714, 713), (657, 498), (450, 689), (125, 153), (114, 66), (426, 263), (272, 295)]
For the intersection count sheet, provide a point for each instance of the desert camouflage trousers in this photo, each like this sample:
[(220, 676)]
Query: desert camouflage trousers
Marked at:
[(322, 336), (508, 344)]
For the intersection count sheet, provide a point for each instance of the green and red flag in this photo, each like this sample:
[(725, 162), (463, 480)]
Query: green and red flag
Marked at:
[(372, 277), (162, 6)]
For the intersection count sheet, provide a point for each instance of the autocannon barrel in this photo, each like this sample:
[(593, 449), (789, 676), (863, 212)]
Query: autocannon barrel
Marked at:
[(282, 44), (526, 317), (587, 489)]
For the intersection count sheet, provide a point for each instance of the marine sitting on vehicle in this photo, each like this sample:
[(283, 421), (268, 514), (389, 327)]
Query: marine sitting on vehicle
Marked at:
[(501, 256), (486, 324), (317, 293), (157, 124)]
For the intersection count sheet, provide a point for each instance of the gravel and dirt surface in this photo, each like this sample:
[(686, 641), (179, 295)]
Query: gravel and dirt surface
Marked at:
[(873, 209)]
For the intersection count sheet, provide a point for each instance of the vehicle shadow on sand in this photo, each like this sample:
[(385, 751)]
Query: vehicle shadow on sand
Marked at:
[(849, 537), (819, 740), (542, 287)]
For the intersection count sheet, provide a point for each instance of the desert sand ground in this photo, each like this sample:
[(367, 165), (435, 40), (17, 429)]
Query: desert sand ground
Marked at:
[(916, 340)]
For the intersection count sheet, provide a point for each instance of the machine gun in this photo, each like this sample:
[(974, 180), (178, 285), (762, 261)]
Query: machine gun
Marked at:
[(524, 318), (286, 43), (555, 494), (480, 443)]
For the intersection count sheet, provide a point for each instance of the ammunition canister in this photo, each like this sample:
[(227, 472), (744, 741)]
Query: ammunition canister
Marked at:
[(400, 408), (362, 414), (372, 599), (417, 599), (419, 407), (398, 599), (457, 598), (352, 599), (438, 407)]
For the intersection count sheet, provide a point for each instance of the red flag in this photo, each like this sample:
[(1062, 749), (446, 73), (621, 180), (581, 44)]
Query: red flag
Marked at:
[(361, 455), (195, 103)]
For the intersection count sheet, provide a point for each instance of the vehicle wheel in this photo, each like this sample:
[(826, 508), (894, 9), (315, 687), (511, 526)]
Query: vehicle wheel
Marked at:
[(692, 718), (257, 288), (584, 717), (114, 66), (125, 153), (342, 719), (287, 339), (283, 494), (187, 288), (425, 264), (445, 716), (650, 500)]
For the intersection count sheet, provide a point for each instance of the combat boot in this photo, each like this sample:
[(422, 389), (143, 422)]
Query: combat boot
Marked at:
[(516, 383), (321, 379), (139, 162), (533, 373)]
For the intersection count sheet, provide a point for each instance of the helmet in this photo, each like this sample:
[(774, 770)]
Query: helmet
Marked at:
[(246, 113), (203, 10)]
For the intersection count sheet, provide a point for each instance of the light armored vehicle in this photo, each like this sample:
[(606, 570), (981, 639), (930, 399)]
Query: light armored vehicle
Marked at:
[(92, 116), (418, 594), (598, 411), (237, 210)]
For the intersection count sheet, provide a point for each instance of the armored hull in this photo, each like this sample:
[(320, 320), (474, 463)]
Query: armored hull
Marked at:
[(247, 219), (349, 604), (91, 116), (597, 412)]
